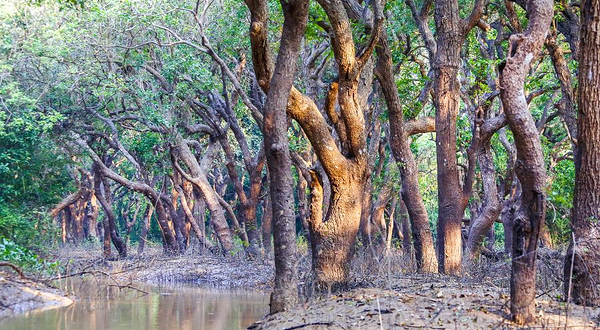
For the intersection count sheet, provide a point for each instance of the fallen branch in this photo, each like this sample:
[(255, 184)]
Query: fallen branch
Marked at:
[(13, 266)]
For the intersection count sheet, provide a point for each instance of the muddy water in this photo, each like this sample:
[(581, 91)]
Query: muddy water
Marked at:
[(123, 306)]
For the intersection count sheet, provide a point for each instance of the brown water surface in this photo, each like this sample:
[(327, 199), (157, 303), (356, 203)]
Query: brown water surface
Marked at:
[(116, 306)]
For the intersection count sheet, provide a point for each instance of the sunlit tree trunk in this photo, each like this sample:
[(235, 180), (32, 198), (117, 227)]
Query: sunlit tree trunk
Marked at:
[(583, 256)]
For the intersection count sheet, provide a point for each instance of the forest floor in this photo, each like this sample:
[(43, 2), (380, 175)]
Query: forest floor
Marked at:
[(387, 296), (385, 293)]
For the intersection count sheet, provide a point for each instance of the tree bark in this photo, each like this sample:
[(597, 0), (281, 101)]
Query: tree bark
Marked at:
[(530, 167), (407, 165), (145, 228), (333, 235), (285, 291), (110, 219), (584, 252), (198, 178), (267, 226)]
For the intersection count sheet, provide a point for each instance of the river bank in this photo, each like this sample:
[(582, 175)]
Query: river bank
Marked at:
[(386, 293), (154, 267), (19, 295)]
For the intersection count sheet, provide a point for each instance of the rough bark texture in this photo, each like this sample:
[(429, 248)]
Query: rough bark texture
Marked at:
[(267, 226), (530, 168), (446, 101), (332, 235), (400, 146), (198, 178), (285, 291), (584, 252), (484, 221), (451, 31)]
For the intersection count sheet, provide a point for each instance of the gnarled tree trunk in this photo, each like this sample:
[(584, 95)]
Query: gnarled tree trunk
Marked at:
[(530, 167)]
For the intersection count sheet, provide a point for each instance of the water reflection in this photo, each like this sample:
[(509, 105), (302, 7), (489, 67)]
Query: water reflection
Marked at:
[(113, 307)]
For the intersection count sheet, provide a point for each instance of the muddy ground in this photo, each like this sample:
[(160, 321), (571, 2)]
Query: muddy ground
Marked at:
[(19, 295), (154, 267), (386, 293)]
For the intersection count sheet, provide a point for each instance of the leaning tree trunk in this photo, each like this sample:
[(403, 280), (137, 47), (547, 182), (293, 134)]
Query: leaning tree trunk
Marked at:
[(583, 256), (400, 146), (530, 167), (198, 178), (110, 227)]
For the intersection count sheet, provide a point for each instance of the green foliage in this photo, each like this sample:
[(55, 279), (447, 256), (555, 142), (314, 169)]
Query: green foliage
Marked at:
[(24, 258)]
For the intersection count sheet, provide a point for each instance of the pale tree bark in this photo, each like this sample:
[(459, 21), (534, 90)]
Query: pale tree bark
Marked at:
[(583, 256), (530, 167), (198, 178)]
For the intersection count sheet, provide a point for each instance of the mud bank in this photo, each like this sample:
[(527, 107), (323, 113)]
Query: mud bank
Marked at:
[(19, 295), (153, 267)]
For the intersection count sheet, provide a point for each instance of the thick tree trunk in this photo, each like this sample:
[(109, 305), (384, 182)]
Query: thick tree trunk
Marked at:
[(530, 167), (333, 240), (584, 252), (345, 168), (400, 146), (446, 100)]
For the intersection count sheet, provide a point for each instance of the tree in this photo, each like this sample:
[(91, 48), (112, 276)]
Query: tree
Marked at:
[(285, 293), (582, 262), (400, 146), (332, 235), (530, 167)]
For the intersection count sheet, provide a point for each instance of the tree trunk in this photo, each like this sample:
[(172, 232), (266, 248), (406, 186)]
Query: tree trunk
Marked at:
[(484, 221), (198, 178), (333, 239), (400, 146), (110, 219), (530, 167), (285, 291), (584, 251), (446, 101), (145, 228), (267, 226)]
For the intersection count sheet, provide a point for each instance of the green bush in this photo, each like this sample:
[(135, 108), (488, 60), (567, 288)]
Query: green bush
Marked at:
[(24, 258)]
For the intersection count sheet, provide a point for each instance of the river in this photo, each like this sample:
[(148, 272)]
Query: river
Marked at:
[(118, 306)]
